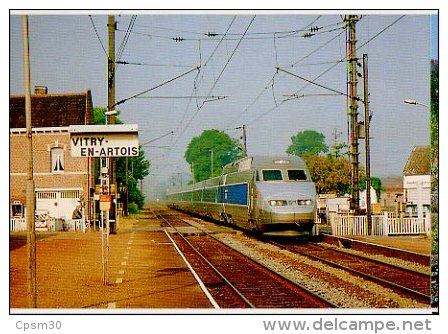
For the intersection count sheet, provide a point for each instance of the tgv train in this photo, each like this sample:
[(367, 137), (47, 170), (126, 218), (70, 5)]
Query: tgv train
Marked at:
[(270, 195)]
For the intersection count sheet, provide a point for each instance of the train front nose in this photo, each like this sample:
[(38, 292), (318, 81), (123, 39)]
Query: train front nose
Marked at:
[(291, 211), (288, 207)]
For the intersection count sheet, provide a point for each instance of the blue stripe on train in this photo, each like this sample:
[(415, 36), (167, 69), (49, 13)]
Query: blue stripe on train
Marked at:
[(233, 194)]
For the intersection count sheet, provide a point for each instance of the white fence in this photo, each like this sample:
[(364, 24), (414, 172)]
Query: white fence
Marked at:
[(52, 225), (381, 225), (17, 224)]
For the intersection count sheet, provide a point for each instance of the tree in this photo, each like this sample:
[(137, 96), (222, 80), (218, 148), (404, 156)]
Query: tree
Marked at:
[(330, 175), (308, 142), (434, 129), (138, 167), (375, 183), (212, 146)]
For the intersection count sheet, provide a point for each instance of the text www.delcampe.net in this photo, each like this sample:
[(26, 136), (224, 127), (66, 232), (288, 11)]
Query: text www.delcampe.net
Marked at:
[(346, 325)]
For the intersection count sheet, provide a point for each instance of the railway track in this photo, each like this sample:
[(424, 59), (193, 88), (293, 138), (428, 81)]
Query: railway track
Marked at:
[(406, 282), (235, 281), (370, 248)]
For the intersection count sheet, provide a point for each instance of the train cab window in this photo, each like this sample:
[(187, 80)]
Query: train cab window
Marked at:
[(272, 175), (296, 175)]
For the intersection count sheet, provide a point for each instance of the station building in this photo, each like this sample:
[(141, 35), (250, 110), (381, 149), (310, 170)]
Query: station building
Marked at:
[(417, 182), (61, 182)]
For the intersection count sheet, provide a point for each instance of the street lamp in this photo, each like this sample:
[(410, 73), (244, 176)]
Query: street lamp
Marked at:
[(415, 102)]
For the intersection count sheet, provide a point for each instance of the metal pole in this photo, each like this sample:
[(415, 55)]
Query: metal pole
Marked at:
[(30, 196), (244, 140), (109, 119), (367, 140), (126, 211), (353, 109), (111, 67), (211, 162), (111, 24)]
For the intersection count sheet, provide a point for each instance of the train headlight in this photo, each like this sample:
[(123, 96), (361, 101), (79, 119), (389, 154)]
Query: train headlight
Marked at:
[(277, 202), (304, 202)]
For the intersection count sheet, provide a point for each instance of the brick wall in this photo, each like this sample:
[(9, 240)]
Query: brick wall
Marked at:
[(76, 170)]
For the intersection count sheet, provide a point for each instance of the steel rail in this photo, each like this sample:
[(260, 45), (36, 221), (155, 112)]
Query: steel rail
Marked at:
[(208, 262), (422, 297), (320, 298)]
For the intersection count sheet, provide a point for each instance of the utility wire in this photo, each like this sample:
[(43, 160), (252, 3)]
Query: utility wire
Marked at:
[(197, 81), (380, 32), (220, 74), (211, 34), (155, 87), (322, 63), (126, 37), (326, 71), (315, 83), (287, 34), (123, 62), (213, 97), (231, 56), (270, 83), (317, 49), (216, 48), (157, 138), (98, 36)]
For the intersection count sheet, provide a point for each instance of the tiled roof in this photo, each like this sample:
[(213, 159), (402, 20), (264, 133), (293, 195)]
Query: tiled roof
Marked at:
[(51, 110), (418, 162), (392, 182)]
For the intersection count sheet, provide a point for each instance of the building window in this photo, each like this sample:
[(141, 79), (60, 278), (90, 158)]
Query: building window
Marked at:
[(46, 195), (57, 160), (70, 194)]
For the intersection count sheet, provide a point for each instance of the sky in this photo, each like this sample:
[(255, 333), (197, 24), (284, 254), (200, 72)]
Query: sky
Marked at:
[(67, 56)]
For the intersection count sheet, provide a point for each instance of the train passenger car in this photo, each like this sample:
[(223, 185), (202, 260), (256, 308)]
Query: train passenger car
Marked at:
[(270, 195)]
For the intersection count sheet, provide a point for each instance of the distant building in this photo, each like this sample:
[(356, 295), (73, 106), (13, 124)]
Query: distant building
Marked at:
[(417, 182), (392, 197), (61, 182), (363, 199)]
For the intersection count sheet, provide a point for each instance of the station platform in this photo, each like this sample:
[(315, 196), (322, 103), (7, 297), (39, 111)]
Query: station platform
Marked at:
[(145, 271), (419, 244), (414, 244)]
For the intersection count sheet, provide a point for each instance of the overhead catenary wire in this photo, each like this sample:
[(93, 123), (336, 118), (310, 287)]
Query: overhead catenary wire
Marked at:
[(317, 49), (214, 50), (261, 35), (195, 83), (214, 97), (194, 88), (270, 83), (213, 34), (325, 71), (220, 74), (155, 87), (126, 37), (157, 138), (98, 36), (123, 62), (316, 84)]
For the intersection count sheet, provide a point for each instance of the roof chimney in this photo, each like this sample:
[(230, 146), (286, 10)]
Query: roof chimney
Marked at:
[(40, 90)]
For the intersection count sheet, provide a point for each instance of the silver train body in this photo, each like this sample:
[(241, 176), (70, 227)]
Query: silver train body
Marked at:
[(270, 195)]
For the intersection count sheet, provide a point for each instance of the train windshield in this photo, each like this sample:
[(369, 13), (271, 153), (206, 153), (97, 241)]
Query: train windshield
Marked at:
[(296, 175), (272, 175)]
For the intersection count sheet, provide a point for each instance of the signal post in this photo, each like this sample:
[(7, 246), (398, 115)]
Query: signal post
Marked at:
[(104, 142)]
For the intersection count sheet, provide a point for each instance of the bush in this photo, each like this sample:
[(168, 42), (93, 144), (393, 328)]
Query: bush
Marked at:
[(133, 208)]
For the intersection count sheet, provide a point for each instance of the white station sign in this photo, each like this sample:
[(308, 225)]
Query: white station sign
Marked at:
[(114, 140)]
